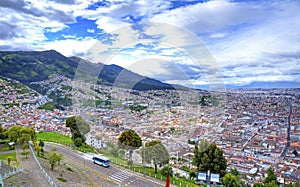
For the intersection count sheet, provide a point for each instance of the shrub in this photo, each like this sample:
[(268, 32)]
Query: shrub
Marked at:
[(164, 171), (62, 179)]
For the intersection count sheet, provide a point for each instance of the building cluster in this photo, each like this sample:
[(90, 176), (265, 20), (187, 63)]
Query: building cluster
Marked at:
[(21, 108), (257, 129)]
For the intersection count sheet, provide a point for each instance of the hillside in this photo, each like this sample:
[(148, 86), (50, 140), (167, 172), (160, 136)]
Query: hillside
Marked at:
[(33, 66)]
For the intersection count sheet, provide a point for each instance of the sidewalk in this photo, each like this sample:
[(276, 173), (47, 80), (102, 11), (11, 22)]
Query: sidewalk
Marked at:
[(31, 169), (7, 152)]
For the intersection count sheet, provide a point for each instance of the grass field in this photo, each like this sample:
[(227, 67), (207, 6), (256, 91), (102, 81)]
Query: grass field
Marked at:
[(54, 137), (12, 155), (61, 139)]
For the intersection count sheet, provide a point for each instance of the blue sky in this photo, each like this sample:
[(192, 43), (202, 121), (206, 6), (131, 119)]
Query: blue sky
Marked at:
[(194, 43)]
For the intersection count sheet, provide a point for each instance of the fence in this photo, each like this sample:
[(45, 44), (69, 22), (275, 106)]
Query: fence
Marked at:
[(12, 172), (8, 174), (50, 180), (1, 180)]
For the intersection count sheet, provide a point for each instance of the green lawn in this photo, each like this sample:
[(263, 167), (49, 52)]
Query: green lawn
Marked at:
[(48, 106), (12, 155), (54, 137), (61, 139)]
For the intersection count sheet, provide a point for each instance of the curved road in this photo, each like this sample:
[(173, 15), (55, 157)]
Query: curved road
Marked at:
[(112, 176)]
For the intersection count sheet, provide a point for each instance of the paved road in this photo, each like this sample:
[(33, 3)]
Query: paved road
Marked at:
[(115, 174), (288, 138)]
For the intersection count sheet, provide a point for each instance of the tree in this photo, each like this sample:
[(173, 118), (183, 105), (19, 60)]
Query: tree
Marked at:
[(3, 134), (78, 142), (54, 159), (130, 140), (193, 174), (257, 184), (156, 153), (197, 157), (230, 180), (235, 172), (271, 177), (28, 132), (25, 153), (24, 139), (16, 133), (114, 150), (296, 184), (38, 150), (295, 153), (9, 160), (41, 143), (60, 157), (271, 184), (25, 147), (78, 127), (13, 133), (42, 152), (165, 170), (207, 156)]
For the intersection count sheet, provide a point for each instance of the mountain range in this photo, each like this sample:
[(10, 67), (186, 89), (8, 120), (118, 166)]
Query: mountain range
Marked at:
[(34, 66), (267, 85)]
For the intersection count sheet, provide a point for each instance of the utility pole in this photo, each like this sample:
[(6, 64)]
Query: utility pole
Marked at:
[(208, 178), (189, 166), (144, 162)]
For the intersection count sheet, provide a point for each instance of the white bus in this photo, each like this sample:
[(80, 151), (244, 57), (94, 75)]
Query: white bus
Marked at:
[(101, 160)]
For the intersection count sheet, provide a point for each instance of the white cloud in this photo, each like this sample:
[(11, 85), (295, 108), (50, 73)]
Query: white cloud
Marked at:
[(218, 35), (210, 16), (250, 41), (109, 24), (70, 47), (90, 30), (242, 35)]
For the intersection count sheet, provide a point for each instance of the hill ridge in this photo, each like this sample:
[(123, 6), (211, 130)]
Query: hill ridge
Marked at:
[(32, 66)]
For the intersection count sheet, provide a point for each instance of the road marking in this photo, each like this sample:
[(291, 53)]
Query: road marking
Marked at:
[(140, 176), (120, 176)]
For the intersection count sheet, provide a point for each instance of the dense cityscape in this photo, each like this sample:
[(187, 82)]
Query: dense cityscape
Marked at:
[(148, 93), (257, 129)]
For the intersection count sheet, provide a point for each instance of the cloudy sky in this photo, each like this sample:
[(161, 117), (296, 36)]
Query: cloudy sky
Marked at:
[(194, 43)]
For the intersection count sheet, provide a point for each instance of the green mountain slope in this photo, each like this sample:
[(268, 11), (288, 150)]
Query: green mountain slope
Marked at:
[(33, 66)]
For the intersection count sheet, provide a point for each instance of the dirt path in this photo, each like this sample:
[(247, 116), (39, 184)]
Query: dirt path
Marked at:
[(31, 169), (7, 152)]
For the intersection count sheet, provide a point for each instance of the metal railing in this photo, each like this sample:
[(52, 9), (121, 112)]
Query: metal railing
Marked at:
[(8, 174), (50, 180)]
